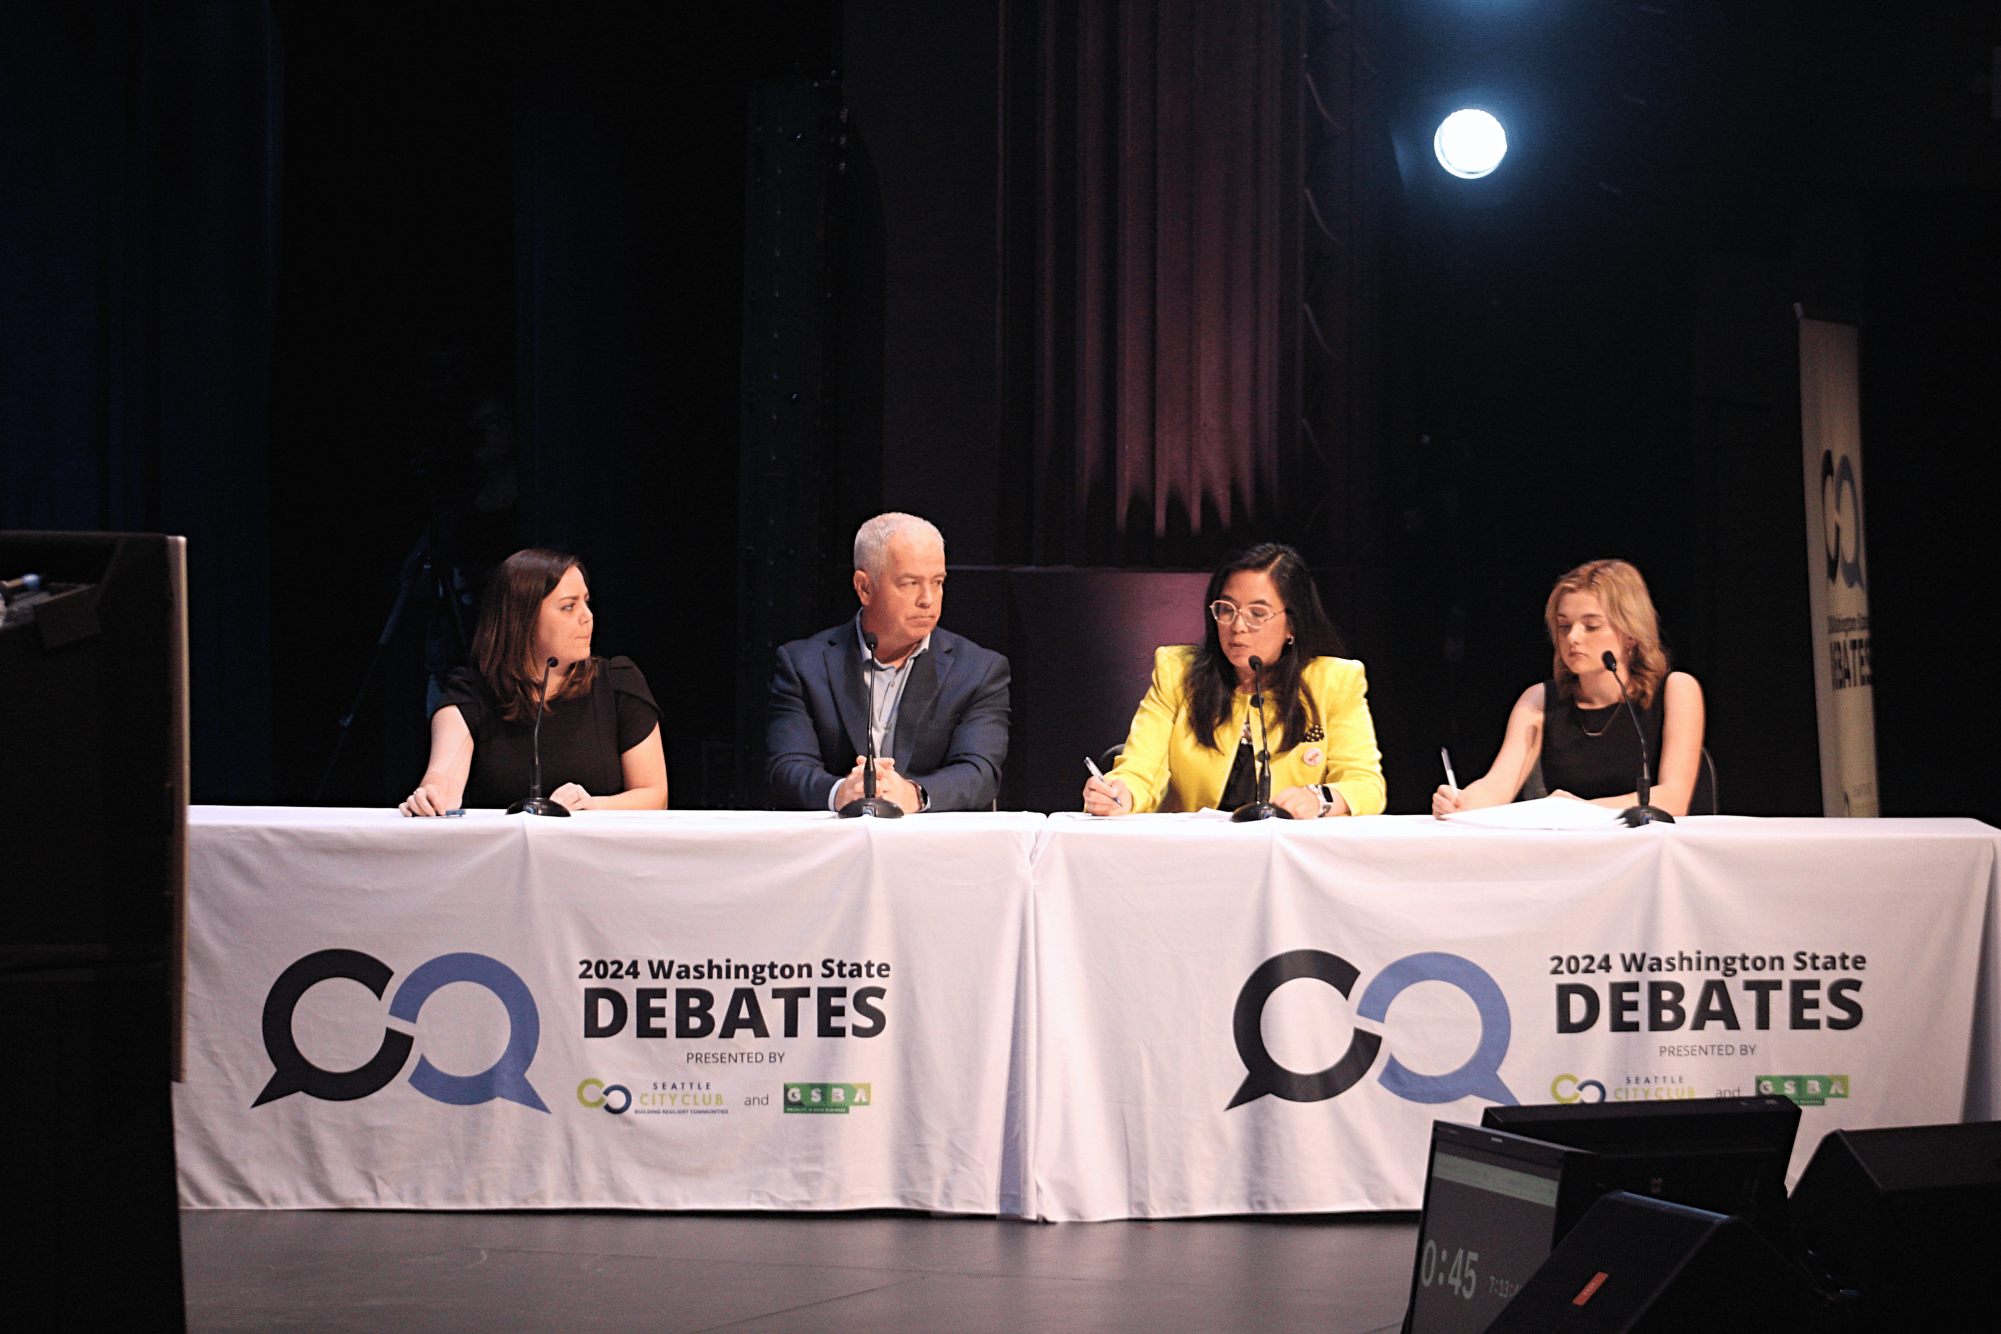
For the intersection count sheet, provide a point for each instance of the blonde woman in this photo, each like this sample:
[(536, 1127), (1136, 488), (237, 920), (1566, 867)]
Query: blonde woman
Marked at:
[(1575, 724)]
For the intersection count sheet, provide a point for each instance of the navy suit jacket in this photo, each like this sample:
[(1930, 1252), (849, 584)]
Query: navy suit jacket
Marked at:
[(951, 725)]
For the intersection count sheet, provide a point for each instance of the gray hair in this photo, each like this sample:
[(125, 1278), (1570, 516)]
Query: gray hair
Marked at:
[(872, 539)]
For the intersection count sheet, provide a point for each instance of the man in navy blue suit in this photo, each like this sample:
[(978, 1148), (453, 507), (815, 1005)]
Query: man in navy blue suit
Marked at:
[(940, 700)]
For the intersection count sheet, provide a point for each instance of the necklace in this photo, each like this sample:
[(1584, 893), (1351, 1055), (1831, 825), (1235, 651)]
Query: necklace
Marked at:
[(1580, 719)]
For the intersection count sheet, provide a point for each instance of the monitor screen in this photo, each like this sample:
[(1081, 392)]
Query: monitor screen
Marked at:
[(1491, 1217)]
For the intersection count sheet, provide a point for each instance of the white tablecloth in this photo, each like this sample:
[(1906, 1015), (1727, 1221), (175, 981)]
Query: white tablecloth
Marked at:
[(1433, 959), (1002, 1014), (890, 1085)]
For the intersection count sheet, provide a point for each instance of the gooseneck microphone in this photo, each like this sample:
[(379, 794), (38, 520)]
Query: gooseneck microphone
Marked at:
[(1644, 813), (868, 803), (1262, 808), (535, 803)]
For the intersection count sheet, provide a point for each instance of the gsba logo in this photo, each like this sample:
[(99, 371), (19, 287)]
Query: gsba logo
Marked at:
[(824, 1099), (1478, 1077), (505, 1078)]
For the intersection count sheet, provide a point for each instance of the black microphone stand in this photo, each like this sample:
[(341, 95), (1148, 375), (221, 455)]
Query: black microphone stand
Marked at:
[(535, 803), (868, 803), (1261, 809), (1645, 812)]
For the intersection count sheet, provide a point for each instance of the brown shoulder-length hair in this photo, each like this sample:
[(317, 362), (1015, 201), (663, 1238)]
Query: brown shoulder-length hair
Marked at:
[(1212, 682), (503, 647), (1623, 594)]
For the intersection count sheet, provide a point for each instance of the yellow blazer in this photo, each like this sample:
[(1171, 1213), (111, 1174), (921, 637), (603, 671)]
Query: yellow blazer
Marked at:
[(1166, 769)]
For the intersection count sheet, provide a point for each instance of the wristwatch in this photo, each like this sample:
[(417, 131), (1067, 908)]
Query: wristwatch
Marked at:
[(923, 798), (1326, 795)]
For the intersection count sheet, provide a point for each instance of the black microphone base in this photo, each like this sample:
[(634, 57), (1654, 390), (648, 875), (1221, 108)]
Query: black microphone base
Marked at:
[(1259, 810), (882, 808), (1636, 816), (538, 806)]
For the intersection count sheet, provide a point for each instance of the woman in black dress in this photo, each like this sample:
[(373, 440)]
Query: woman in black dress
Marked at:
[(601, 735), (1576, 723)]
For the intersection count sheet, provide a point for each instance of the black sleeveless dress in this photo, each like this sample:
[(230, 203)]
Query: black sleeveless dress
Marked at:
[(583, 740), (1593, 753)]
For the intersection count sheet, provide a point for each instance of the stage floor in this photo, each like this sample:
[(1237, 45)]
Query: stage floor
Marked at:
[(887, 1273)]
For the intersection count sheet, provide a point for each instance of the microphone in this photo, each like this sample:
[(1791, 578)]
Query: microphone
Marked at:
[(1261, 809), (868, 774), (16, 590), (535, 803), (1264, 746), (1644, 813), (868, 803)]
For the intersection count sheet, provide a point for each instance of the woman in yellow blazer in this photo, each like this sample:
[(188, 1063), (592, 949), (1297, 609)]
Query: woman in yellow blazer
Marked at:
[(1193, 741)]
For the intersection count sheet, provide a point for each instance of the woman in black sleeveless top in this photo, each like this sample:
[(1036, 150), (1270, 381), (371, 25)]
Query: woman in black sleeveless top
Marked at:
[(1576, 723), (601, 732)]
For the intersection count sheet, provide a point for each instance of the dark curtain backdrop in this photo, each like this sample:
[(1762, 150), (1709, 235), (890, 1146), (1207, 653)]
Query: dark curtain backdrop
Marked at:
[(138, 230), (1347, 172), (1151, 258)]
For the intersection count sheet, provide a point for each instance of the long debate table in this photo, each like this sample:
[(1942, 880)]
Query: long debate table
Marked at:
[(664, 1010), (1060, 1018)]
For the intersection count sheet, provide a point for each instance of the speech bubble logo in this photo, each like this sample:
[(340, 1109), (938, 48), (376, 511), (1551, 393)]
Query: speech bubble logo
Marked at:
[(505, 1078), (1480, 1076), (1265, 1075), (291, 1071), (1842, 540)]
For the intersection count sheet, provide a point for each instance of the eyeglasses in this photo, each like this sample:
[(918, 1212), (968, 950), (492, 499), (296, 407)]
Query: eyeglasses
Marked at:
[(1254, 618)]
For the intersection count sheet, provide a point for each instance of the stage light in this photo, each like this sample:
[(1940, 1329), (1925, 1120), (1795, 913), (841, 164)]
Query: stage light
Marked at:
[(1470, 143)]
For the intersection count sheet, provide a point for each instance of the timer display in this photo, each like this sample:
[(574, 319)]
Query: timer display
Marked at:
[(1488, 1224)]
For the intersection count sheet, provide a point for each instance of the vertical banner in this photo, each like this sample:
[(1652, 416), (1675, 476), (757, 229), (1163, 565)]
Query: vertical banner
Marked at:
[(1837, 579)]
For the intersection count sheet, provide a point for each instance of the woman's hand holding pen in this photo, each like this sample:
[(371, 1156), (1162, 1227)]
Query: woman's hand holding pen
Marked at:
[(1105, 796), (1448, 798)]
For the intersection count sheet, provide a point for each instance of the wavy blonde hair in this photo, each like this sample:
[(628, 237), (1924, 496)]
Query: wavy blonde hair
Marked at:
[(1623, 594)]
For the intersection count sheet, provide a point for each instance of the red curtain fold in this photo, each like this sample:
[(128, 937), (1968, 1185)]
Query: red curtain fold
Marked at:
[(1151, 264)]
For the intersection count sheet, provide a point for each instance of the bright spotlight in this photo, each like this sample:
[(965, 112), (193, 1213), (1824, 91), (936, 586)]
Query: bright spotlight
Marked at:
[(1470, 143)]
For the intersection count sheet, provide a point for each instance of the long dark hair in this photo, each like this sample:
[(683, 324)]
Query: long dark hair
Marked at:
[(1212, 685), (503, 647)]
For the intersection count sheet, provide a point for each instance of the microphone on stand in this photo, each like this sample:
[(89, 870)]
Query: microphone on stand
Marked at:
[(1261, 809), (868, 803), (535, 803), (1644, 813)]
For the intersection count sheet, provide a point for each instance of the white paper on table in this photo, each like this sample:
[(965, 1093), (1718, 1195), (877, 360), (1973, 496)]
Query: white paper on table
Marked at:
[(1542, 813)]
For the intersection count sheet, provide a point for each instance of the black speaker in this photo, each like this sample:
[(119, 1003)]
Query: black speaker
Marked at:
[(1905, 1219), (1725, 1154), (1646, 1266)]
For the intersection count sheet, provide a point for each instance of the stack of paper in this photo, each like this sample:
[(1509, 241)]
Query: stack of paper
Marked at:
[(1543, 813)]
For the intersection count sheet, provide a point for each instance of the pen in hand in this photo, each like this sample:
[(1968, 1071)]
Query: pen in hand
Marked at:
[(1099, 774), (1451, 779)]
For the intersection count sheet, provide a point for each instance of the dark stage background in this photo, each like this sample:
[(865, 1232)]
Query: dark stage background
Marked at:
[(1098, 284)]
